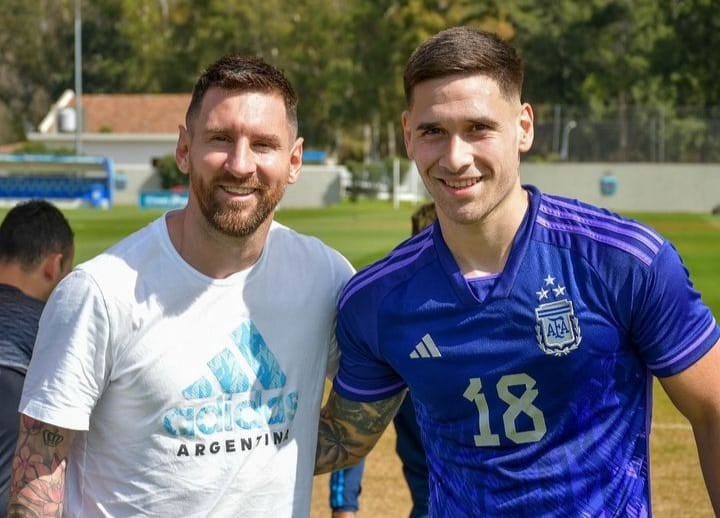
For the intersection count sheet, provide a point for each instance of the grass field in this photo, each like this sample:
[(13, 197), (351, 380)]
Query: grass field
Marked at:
[(365, 231)]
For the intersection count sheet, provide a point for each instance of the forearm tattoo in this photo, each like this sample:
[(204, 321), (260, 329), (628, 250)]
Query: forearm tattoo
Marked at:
[(38, 471), (348, 430)]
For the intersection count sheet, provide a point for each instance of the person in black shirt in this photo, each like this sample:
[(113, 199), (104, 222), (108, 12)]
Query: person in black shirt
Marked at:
[(36, 251)]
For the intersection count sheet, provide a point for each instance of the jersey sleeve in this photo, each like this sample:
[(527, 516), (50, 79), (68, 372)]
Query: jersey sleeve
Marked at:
[(672, 327), (70, 363), (364, 374)]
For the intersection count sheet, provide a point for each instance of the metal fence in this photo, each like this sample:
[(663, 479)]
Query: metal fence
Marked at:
[(633, 134)]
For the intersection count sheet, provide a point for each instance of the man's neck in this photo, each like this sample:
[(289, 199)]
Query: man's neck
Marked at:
[(209, 251), (483, 248), (12, 274)]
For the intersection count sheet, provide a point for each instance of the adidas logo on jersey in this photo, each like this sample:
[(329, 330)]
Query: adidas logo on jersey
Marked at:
[(246, 391), (426, 348)]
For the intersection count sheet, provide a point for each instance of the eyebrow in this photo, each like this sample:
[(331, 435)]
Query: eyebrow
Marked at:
[(485, 121), (267, 137), (482, 121)]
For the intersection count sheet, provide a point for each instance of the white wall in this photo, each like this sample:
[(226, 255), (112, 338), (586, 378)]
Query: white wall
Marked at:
[(640, 186), (317, 186)]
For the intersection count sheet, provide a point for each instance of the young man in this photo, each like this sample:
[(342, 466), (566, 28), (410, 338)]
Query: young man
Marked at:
[(180, 373), (36, 251), (527, 327)]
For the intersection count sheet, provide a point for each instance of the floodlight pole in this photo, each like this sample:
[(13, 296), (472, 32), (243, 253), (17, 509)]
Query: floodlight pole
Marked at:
[(78, 80)]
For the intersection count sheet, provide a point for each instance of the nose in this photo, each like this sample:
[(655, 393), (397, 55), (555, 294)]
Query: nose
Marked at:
[(458, 154), (240, 160)]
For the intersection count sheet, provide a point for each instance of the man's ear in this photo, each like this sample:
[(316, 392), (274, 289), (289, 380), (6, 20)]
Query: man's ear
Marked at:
[(52, 267), (296, 160), (182, 150), (407, 132), (526, 128)]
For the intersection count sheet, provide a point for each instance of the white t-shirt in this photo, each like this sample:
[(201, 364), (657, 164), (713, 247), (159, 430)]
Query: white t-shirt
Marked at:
[(194, 396)]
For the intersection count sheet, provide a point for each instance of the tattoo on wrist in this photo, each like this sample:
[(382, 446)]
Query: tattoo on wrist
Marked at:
[(52, 438)]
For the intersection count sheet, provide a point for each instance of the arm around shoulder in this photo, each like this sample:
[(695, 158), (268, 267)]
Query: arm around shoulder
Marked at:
[(696, 393), (350, 429), (38, 469)]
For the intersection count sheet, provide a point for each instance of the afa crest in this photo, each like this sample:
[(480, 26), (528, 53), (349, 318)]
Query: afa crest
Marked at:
[(556, 326)]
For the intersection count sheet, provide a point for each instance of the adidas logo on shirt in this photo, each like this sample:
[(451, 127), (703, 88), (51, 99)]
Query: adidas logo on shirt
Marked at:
[(426, 348), (246, 390)]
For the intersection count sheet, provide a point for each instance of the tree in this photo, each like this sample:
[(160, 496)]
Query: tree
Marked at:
[(346, 59), (36, 60)]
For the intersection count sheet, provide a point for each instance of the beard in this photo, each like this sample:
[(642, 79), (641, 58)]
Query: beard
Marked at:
[(232, 218)]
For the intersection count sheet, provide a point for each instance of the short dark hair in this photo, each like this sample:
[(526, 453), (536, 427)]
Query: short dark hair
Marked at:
[(423, 217), (31, 231), (244, 74), (465, 50)]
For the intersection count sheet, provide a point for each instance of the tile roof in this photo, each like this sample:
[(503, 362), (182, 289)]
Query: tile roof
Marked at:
[(10, 147), (133, 113)]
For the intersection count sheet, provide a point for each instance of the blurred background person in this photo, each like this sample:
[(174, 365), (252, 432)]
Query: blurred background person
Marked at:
[(36, 251)]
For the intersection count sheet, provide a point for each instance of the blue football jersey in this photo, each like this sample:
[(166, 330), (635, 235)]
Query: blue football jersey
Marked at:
[(533, 394)]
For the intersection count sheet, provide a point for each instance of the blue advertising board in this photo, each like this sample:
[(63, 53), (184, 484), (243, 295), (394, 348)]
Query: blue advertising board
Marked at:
[(162, 199)]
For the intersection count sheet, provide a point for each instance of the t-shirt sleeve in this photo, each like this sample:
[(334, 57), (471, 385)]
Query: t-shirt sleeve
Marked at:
[(70, 362), (672, 326), (341, 271)]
